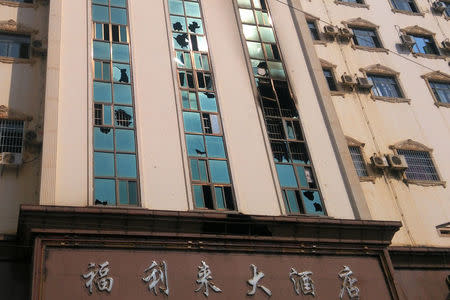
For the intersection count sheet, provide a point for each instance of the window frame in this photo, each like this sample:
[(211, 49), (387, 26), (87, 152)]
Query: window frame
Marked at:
[(410, 145), (438, 77), (362, 24), (11, 27), (332, 68), (363, 3), (417, 31), (13, 3), (406, 12), (379, 70), (312, 19), (351, 142)]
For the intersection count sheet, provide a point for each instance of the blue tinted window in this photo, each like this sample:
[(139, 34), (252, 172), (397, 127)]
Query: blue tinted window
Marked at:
[(198, 195), (192, 122), (219, 197), (101, 50), (120, 3), (219, 171), (290, 197), (126, 165), (123, 116), (286, 176), (122, 94), (176, 7), (192, 9), (119, 16), (105, 191), (103, 164), (195, 145), (312, 202), (103, 138), (441, 90), (424, 45), (214, 146), (207, 102), (100, 13), (125, 140), (102, 92), (120, 53)]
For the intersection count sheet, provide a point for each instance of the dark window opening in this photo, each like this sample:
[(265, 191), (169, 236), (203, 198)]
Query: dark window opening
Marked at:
[(11, 135), (313, 30), (328, 73), (16, 46), (366, 37)]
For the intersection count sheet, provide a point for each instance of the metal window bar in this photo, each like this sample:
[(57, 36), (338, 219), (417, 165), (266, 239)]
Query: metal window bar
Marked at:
[(420, 165), (358, 161), (11, 136)]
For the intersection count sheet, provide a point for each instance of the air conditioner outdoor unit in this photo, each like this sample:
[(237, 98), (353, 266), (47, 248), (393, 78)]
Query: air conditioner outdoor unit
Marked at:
[(446, 45), (10, 158), (397, 162), (348, 80), (330, 30), (364, 83), (380, 162), (345, 33), (407, 40), (439, 6)]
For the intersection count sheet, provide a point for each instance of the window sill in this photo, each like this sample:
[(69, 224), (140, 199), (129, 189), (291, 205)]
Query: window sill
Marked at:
[(443, 104), (367, 179), (391, 99), (17, 4), (370, 49), (426, 182), (351, 4), (409, 13), (337, 93), (433, 56), (13, 60), (319, 42)]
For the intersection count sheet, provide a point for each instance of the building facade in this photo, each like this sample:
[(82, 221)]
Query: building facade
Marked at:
[(144, 145)]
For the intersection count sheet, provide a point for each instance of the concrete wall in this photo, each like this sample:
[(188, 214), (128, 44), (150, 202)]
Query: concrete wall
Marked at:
[(381, 124), (22, 87), (163, 163)]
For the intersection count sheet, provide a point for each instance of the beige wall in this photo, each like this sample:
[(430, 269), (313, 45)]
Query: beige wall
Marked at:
[(164, 177), (22, 91), (381, 124)]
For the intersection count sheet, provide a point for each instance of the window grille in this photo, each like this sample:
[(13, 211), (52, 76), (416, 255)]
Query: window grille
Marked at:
[(11, 136), (358, 161), (420, 165)]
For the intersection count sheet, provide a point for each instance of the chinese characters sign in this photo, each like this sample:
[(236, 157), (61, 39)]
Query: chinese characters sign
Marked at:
[(157, 279)]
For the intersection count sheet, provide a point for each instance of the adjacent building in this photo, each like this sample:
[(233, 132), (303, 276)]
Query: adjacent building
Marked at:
[(224, 149)]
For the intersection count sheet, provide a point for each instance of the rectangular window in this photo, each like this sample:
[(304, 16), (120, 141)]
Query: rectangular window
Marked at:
[(406, 5), (366, 37), (313, 30), (353, 1), (23, 1), (11, 135), (14, 45), (441, 91), (358, 161), (424, 45), (328, 73), (420, 165), (385, 86)]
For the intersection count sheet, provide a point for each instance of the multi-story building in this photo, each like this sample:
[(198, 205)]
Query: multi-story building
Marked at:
[(224, 149)]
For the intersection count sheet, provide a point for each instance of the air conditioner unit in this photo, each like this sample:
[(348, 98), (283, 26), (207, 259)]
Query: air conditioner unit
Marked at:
[(345, 33), (446, 45), (397, 162), (364, 83), (330, 30), (407, 40), (379, 162), (348, 80), (10, 159), (439, 6)]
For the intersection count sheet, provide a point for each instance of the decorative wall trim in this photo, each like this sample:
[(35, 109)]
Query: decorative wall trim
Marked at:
[(360, 22), (417, 30), (351, 142), (410, 145), (352, 4), (17, 4), (14, 60), (405, 12), (13, 26), (7, 113), (379, 69), (327, 64)]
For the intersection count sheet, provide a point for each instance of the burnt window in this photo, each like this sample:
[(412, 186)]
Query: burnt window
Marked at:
[(14, 45)]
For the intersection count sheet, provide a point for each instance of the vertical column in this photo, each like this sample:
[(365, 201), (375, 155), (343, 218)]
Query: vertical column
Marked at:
[(115, 154), (295, 171), (209, 169)]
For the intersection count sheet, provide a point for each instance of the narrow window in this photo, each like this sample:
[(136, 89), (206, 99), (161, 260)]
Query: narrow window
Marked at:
[(385, 86), (313, 30), (358, 161), (14, 45), (328, 73), (420, 165), (441, 91), (352, 1), (366, 37)]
